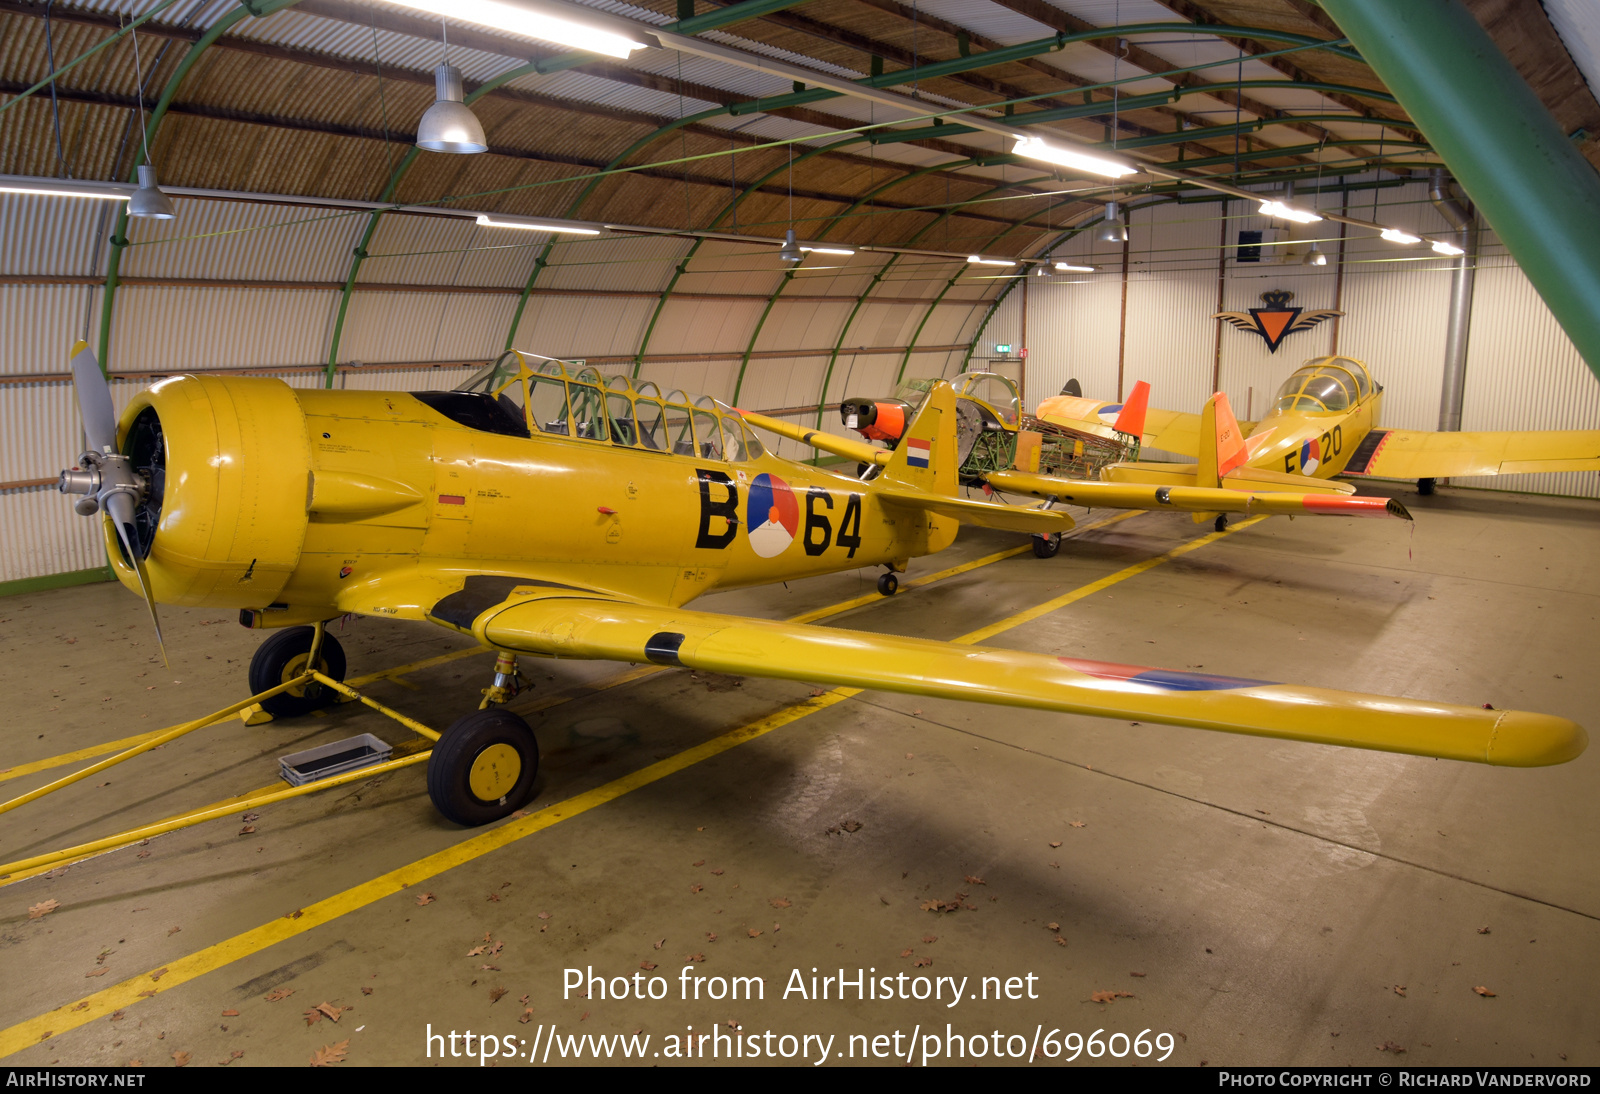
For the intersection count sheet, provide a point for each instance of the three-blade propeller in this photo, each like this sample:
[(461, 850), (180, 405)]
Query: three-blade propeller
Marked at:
[(107, 479)]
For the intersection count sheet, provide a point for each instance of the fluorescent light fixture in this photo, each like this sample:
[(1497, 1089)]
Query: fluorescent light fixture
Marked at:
[(528, 23), (1035, 148), (1067, 267), (1395, 235), (1288, 212), (978, 260), (1441, 247), (65, 188), (827, 250), (534, 226)]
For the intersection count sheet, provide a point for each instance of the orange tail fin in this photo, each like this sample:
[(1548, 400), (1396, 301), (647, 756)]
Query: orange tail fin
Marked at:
[(1131, 420), (1217, 424)]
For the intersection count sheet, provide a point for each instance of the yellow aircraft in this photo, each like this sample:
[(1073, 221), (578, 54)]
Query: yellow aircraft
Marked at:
[(1325, 423), (555, 513)]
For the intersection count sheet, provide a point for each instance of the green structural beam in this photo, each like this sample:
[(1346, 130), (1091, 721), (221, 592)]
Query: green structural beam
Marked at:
[(1533, 186)]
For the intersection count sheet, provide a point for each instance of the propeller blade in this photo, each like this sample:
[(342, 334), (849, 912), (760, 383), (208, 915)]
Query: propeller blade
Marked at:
[(94, 399), (119, 507)]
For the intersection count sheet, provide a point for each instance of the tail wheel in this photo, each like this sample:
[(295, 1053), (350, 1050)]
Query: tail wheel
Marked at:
[(1046, 546), (286, 655), (1221, 523), (483, 767), (887, 584)]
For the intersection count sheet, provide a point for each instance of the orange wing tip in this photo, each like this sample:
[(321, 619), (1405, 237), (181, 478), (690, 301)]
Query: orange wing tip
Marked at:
[(1338, 505), (1521, 739)]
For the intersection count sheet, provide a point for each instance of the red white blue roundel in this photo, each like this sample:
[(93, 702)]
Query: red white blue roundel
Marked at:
[(1109, 414), (774, 515), (1310, 456)]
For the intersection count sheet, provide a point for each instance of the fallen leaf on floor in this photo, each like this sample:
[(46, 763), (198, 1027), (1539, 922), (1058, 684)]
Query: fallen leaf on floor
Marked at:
[(1400, 990), (278, 993), (488, 968), (366, 991), (425, 898), (1483, 930), (476, 951), (495, 994), (906, 952), (940, 905), (230, 1013), (909, 756), (1138, 974), (1060, 941), (1390, 1046), (717, 872), (817, 693), (754, 933), (696, 957), (660, 942), (101, 971), (496, 948), (527, 1016), (1052, 926), (313, 1016), (148, 994), (297, 913), (851, 826), (232, 1056), (1483, 991), (711, 936), (43, 908), (173, 931), (1109, 996), (1078, 824), (116, 1015), (1054, 865), (495, 897), (1055, 843), (702, 862), (780, 902), (917, 711), (648, 966), (328, 1055), (181, 1059), (520, 813), (930, 939), (248, 817), (247, 829), (136, 1062), (544, 915), (975, 880), (922, 962), (696, 888)]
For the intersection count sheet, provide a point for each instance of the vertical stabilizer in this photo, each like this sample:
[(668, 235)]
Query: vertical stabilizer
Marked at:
[(926, 456), (1131, 420), (1222, 446)]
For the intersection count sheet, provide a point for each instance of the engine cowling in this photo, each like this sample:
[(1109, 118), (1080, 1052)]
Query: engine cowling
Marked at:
[(228, 479)]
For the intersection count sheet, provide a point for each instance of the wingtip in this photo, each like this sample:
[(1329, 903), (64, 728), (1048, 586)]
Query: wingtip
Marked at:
[(78, 347), (1522, 739)]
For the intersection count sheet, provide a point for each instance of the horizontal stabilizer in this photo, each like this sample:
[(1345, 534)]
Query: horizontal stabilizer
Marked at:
[(984, 514), (1188, 498)]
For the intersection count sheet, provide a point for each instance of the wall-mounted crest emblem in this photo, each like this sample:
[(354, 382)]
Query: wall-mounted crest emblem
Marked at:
[(1277, 320)]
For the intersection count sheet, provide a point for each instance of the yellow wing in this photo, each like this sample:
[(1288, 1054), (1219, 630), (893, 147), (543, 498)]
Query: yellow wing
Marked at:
[(549, 621), (1254, 497), (1406, 454)]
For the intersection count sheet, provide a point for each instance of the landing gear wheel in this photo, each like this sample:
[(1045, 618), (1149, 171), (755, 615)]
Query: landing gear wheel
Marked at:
[(1424, 487), (887, 584), (483, 767), (1046, 546), (1221, 523), (285, 656)]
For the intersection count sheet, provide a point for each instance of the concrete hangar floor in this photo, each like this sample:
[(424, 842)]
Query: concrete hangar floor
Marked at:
[(1258, 902)]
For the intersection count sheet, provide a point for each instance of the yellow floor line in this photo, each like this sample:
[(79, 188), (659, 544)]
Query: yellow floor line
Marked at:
[(182, 970)]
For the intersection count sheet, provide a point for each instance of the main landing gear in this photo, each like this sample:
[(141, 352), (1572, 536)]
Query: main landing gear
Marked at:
[(287, 655), (1221, 523), (1046, 546)]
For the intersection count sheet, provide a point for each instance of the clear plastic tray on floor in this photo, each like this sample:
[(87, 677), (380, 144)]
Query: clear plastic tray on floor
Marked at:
[(350, 754)]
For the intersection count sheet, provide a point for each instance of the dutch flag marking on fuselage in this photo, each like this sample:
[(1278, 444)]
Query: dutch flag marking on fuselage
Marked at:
[(918, 451)]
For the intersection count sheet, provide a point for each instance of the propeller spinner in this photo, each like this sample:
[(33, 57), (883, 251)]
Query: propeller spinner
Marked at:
[(127, 486)]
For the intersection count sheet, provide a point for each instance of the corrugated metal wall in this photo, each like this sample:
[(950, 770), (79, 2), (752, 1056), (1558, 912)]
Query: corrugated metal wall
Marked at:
[(1522, 370)]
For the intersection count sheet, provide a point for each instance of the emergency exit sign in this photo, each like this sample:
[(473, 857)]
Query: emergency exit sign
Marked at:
[(1003, 347)]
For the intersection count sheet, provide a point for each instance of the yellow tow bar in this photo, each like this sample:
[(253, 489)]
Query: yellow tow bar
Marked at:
[(185, 820)]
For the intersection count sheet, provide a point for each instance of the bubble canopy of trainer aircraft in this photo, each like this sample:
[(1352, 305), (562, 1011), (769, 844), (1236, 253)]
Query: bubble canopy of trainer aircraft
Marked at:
[(1324, 385), (525, 393)]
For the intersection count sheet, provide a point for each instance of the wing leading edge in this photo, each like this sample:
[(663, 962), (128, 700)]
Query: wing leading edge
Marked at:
[(555, 622), (1406, 454)]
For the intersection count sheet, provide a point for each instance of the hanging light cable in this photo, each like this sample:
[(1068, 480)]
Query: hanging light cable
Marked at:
[(790, 251), (147, 201), (449, 125)]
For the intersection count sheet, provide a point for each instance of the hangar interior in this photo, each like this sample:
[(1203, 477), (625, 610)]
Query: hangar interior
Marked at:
[(1260, 901)]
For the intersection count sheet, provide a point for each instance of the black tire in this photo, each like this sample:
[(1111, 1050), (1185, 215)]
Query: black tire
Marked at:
[(1425, 487), (1046, 546), (283, 657), (887, 584), (479, 741), (1221, 523)]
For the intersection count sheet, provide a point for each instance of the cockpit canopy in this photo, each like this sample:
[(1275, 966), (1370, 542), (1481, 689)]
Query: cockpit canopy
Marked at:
[(1325, 385), (525, 393)]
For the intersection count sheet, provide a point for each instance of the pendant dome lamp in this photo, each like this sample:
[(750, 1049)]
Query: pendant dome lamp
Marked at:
[(148, 200), (1115, 230), (449, 125)]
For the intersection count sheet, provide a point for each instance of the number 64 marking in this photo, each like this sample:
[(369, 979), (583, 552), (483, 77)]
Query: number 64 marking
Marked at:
[(818, 533)]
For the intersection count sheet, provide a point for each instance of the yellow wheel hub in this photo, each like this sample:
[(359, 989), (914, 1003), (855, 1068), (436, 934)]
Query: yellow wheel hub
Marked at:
[(298, 666), (494, 773)]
